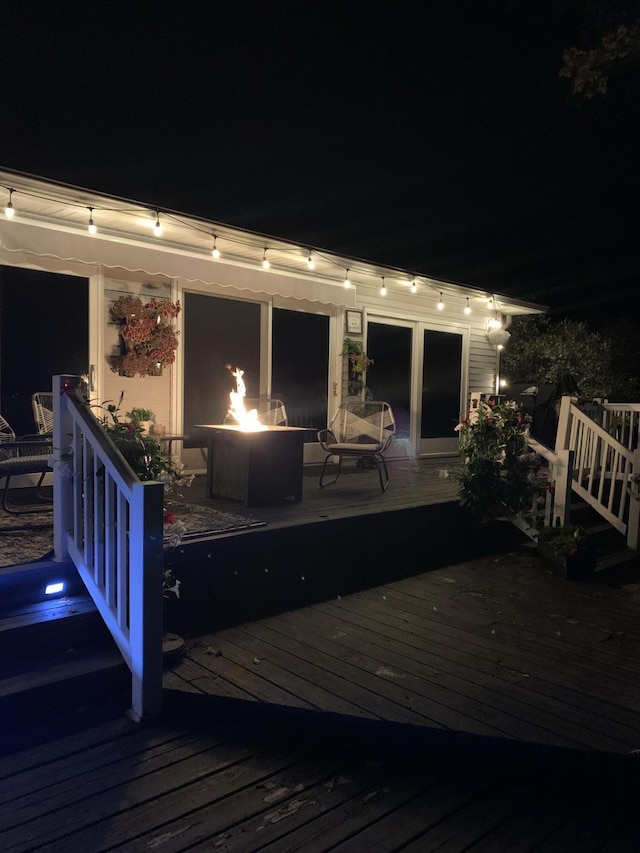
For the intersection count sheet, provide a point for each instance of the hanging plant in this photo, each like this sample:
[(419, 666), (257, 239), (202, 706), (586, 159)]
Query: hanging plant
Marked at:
[(148, 337), (359, 361)]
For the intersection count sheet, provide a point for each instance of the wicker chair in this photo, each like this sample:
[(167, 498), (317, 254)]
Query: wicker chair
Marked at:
[(362, 430), (28, 454), (42, 405)]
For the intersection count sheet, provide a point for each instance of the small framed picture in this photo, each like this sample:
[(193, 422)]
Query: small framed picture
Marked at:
[(354, 322)]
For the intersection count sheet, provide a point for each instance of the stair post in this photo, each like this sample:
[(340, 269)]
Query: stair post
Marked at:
[(633, 527), (562, 491), (563, 435), (62, 480)]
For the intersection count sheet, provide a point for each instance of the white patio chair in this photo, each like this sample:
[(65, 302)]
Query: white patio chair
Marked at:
[(42, 405), (28, 454), (363, 430)]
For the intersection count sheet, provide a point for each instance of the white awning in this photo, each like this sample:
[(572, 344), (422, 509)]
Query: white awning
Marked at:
[(113, 252)]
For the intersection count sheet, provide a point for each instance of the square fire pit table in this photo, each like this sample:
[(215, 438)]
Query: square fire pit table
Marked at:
[(257, 468)]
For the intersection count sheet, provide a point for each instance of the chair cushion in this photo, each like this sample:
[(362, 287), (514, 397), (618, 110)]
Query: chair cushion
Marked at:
[(24, 465)]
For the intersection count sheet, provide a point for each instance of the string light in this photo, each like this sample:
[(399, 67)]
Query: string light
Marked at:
[(9, 211), (215, 252)]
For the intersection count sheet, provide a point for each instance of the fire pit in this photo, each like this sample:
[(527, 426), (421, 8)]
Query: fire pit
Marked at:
[(255, 467)]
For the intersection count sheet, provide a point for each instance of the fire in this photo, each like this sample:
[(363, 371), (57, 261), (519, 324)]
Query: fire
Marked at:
[(248, 420)]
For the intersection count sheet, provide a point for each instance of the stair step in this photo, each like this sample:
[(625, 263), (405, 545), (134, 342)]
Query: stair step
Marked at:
[(36, 673), (48, 628), (58, 662), (50, 698), (26, 583)]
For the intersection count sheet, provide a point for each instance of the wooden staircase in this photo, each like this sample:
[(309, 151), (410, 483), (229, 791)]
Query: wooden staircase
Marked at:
[(594, 475), (59, 665)]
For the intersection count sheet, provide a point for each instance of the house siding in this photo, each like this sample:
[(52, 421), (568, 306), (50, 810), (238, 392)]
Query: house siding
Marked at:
[(123, 257)]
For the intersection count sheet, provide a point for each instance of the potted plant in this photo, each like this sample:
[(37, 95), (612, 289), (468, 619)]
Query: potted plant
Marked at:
[(144, 418), (497, 473), (569, 549), (147, 337), (142, 452)]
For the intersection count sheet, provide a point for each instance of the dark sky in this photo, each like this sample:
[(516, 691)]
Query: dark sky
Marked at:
[(435, 137)]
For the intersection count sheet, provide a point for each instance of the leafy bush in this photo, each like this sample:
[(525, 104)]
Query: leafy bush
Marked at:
[(497, 472)]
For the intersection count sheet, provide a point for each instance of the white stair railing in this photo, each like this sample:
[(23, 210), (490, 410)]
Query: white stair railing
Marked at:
[(605, 470), (111, 525), (556, 479), (622, 421)]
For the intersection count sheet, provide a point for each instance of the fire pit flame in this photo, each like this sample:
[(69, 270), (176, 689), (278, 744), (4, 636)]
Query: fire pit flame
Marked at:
[(247, 420)]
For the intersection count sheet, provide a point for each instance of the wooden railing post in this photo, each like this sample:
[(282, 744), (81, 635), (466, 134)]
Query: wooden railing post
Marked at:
[(633, 527), (62, 482), (564, 423), (562, 492), (145, 602)]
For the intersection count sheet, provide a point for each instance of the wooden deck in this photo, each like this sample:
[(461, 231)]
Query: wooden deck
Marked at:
[(484, 705), (413, 483)]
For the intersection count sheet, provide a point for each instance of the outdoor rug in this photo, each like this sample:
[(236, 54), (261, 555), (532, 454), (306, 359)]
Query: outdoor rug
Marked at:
[(186, 522), (27, 538)]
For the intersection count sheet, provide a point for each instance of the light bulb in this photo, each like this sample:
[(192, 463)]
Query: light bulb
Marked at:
[(347, 280), (215, 251), (467, 307), (310, 262), (91, 226), (9, 211), (157, 228), (265, 262), (414, 286), (383, 289), (440, 305)]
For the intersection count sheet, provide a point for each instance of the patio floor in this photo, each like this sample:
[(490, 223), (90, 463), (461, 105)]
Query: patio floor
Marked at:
[(485, 705)]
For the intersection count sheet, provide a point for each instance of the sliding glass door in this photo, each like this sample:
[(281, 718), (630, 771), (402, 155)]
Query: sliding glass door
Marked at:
[(440, 403), (390, 346)]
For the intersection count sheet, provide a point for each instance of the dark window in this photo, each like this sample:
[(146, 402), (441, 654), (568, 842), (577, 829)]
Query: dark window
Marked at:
[(217, 332), (441, 384), (44, 331), (389, 378), (300, 368)]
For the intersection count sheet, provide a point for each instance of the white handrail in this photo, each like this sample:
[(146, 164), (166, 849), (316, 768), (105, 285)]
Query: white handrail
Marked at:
[(110, 524)]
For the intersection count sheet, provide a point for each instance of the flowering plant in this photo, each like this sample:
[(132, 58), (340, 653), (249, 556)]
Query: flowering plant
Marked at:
[(497, 472), (142, 452), (358, 359), (565, 541), (149, 338)]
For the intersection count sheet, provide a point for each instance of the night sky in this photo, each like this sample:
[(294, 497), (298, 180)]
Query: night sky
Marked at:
[(435, 137)]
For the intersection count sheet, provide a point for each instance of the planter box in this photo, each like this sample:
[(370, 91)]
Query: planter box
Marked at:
[(574, 567)]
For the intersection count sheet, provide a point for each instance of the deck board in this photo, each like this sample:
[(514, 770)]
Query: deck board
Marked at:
[(483, 705)]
